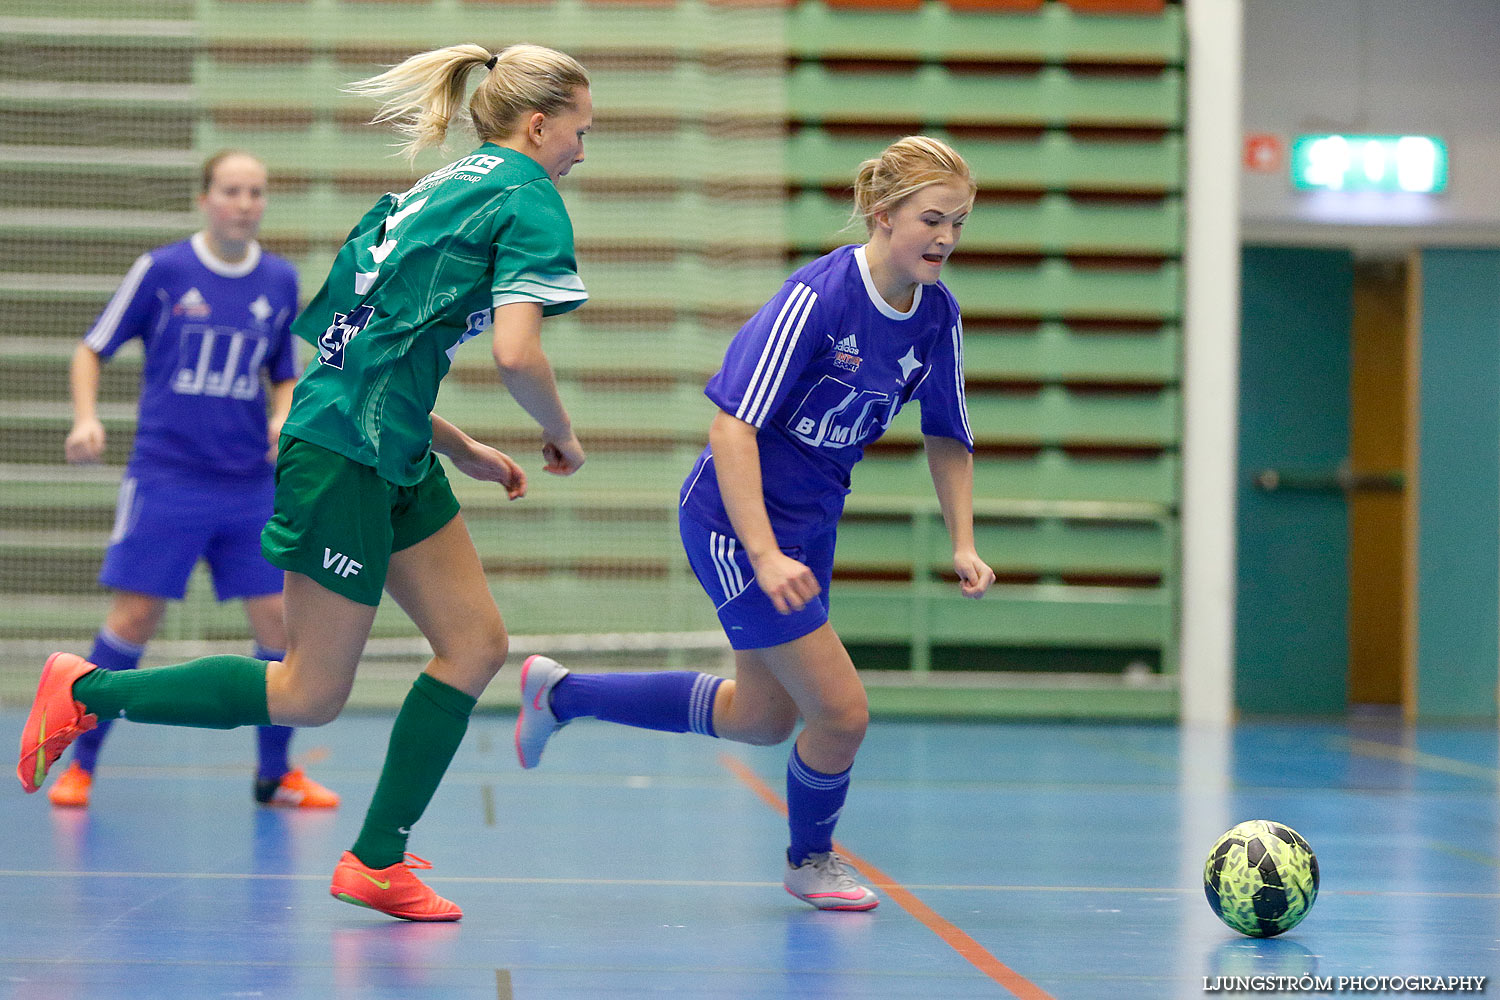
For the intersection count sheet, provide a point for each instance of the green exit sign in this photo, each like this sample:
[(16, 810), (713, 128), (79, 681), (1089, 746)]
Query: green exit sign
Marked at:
[(1414, 163)]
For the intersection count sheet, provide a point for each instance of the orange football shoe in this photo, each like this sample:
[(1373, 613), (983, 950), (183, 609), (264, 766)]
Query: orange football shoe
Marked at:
[(71, 789), (295, 790), (56, 720), (394, 890)]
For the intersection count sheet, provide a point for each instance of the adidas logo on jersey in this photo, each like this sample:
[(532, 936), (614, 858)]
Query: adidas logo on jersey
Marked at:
[(192, 304), (846, 354)]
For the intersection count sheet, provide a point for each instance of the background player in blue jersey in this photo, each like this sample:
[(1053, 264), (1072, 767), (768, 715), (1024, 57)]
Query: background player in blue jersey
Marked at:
[(811, 379), (213, 314)]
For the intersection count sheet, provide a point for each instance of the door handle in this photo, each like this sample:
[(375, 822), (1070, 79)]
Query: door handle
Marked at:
[(1341, 480)]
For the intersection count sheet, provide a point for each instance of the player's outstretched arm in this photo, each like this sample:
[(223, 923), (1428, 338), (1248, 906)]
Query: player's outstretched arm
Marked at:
[(527, 374), (952, 469), (281, 405), (85, 442), (476, 459)]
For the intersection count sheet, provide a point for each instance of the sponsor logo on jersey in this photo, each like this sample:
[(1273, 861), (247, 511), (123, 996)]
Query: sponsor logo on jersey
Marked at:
[(344, 328), (846, 354), (835, 414), (261, 310), (192, 304), (909, 364), (479, 163), (478, 322)]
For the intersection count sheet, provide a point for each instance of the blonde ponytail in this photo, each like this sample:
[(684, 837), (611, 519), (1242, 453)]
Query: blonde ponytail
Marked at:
[(424, 93)]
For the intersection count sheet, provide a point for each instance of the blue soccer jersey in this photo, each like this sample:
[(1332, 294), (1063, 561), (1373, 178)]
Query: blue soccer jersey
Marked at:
[(821, 370), (210, 331)]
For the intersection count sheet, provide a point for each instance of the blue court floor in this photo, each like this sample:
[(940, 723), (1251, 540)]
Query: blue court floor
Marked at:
[(1023, 860)]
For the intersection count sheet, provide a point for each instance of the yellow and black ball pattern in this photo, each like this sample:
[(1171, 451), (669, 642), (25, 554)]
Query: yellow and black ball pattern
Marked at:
[(1261, 878)]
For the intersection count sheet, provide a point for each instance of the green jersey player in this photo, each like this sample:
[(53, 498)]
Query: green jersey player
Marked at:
[(481, 246), (419, 276)]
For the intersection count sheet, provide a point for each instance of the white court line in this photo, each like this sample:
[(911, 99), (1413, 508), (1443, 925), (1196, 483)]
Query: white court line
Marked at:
[(713, 883)]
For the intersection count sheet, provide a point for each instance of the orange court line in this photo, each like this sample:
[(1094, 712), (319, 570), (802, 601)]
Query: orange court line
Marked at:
[(971, 950)]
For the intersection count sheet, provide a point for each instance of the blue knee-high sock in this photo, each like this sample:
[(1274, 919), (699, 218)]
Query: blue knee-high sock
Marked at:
[(273, 742), (813, 803), (673, 701), (112, 653)]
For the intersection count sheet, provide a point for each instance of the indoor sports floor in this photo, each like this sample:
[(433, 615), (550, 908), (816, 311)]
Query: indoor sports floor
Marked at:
[(1026, 860)]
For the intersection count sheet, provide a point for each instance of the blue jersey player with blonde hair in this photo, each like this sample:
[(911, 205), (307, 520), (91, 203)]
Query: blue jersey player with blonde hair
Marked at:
[(814, 376), (213, 314)]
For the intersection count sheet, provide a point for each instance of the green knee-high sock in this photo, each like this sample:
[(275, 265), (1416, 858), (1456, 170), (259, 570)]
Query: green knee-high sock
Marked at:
[(428, 730), (212, 692)]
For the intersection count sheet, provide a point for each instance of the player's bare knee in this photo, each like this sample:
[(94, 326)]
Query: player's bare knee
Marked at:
[(495, 650), (483, 655), (134, 622), (845, 723), (772, 730)]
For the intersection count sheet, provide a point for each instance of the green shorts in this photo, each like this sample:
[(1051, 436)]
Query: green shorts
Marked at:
[(338, 522)]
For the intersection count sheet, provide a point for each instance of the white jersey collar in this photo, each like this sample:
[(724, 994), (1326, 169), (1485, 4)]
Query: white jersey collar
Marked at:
[(223, 268), (876, 299)]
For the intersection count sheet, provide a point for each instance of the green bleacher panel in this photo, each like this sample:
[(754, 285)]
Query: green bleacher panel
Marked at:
[(40, 248), (36, 56), (81, 491), (97, 122), (640, 539), (1055, 288), (140, 13), (935, 95), (42, 375), (1053, 223), (1042, 475), (31, 314), (1058, 415), (650, 412), (669, 346), (666, 218), (1054, 351), (570, 25), (1038, 160), (675, 89), (1010, 615), (1012, 545), (54, 180), (323, 148), (935, 32), (633, 475)]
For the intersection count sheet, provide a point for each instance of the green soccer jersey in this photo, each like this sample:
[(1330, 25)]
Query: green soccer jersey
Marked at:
[(416, 278)]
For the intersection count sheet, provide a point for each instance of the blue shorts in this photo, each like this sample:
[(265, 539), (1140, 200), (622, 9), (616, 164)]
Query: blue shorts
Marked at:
[(165, 524), (749, 618)]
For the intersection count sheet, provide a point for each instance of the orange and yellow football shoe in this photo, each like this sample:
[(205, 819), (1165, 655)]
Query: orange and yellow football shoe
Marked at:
[(56, 720), (394, 890)]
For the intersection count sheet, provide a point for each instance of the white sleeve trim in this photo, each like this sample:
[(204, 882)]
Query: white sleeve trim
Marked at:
[(109, 321)]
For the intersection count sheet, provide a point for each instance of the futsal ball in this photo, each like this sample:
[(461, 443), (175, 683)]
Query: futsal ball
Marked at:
[(1261, 878)]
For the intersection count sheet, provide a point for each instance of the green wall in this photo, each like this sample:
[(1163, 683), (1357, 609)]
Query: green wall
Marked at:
[(1458, 554)]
